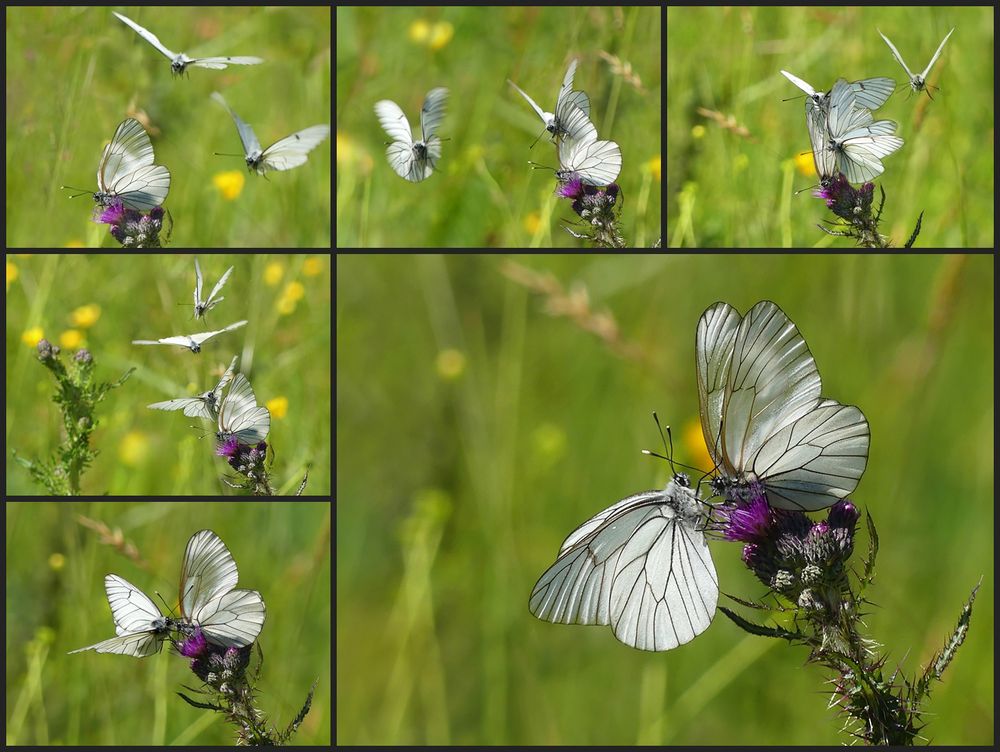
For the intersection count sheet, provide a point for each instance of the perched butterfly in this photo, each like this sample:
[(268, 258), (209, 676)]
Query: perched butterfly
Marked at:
[(240, 416), (208, 602), (127, 173), (201, 307), (917, 82), (191, 341), (594, 162), (561, 124), (846, 140), (641, 566), (413, 160), (285, 154), (178, 60), (204, 405), (763, 415)]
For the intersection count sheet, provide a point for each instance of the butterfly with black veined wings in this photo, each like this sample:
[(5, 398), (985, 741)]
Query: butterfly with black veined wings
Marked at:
[(191, 341), (918, 82), (178, 60), (641, 566), (201, 307), (846, 140), (204, 405), (413, 160), (763, 415), (283, 154), (208, 600), (560, 123), (594, 162), (139, 625), (240, 416), (126, 171)]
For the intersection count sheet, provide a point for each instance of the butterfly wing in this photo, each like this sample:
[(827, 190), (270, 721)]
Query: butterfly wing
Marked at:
[(240, 416), (233, 619), (937, 54), (568, 99), (251, 146), (127, 171), (198, 281), (184, 340), (218, 287), (193, 407), (596, 162), (201, 337), (545, 116), (134, 615), (432, 112), (146, 34), (638, 566), (208, 572), (218, 63), (291, 151), (714, 340)]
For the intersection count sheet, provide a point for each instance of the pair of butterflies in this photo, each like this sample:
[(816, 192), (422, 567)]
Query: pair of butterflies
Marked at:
[(237, 414), (845, 137), (581, 154), (208, 600), (643, 565)]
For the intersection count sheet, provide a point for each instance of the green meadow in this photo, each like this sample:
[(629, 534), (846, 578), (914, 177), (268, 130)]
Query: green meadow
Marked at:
[(74, 74), (732, 184), (103, 302), (57, 555), (484, 193), (487, 406)]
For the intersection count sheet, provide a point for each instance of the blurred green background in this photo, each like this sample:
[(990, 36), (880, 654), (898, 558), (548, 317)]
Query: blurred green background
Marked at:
[(486, 194), (480, 431), (103, 302), (73, 74), (732, 190), (55, 569)]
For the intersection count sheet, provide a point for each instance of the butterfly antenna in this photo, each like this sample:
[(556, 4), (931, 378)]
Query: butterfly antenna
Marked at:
[(668, 446)]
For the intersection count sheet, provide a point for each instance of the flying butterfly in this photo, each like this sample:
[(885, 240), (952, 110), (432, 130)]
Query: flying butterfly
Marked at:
[(191, 341), (641, 566), (283, 154), (413, 160), (763, 415), (240, 416), (201, 307), (917, 82), (561, 124), (178, 60), (126, 171), (204, 405)]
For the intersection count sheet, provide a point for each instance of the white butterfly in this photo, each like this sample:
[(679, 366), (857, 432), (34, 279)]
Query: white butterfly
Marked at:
[(558, 123), (871, 92), (227, 617), (127, 171), (284, 154), (917, 82), (201, 307), (241, 417), (642, 566), (762, 413), (594, 162), (178, 60), (846, 140), (204, 405), (191, 341), (139, 625), (413, 160)]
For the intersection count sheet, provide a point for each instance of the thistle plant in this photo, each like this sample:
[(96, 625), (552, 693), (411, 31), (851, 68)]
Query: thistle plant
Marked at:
[(853, 206), (807, 566), (78, 395), (132, 228)]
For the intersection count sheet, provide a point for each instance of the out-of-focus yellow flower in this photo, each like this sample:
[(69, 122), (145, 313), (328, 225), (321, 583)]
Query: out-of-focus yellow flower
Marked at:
[(273, 273), (740, 162), (31, 337), (74, 244), (11, 273), (531, 223), (57, 561), (345, 148), (134, 448), (230, 184), (694, 443), (441, 34), (698, 131), (285, 306), (278, 407), (313, 266), (294, 291), (548, 442), (419, 31), (85, 316), (655, 165), (805, 164), (450, 364), (70, 338)]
